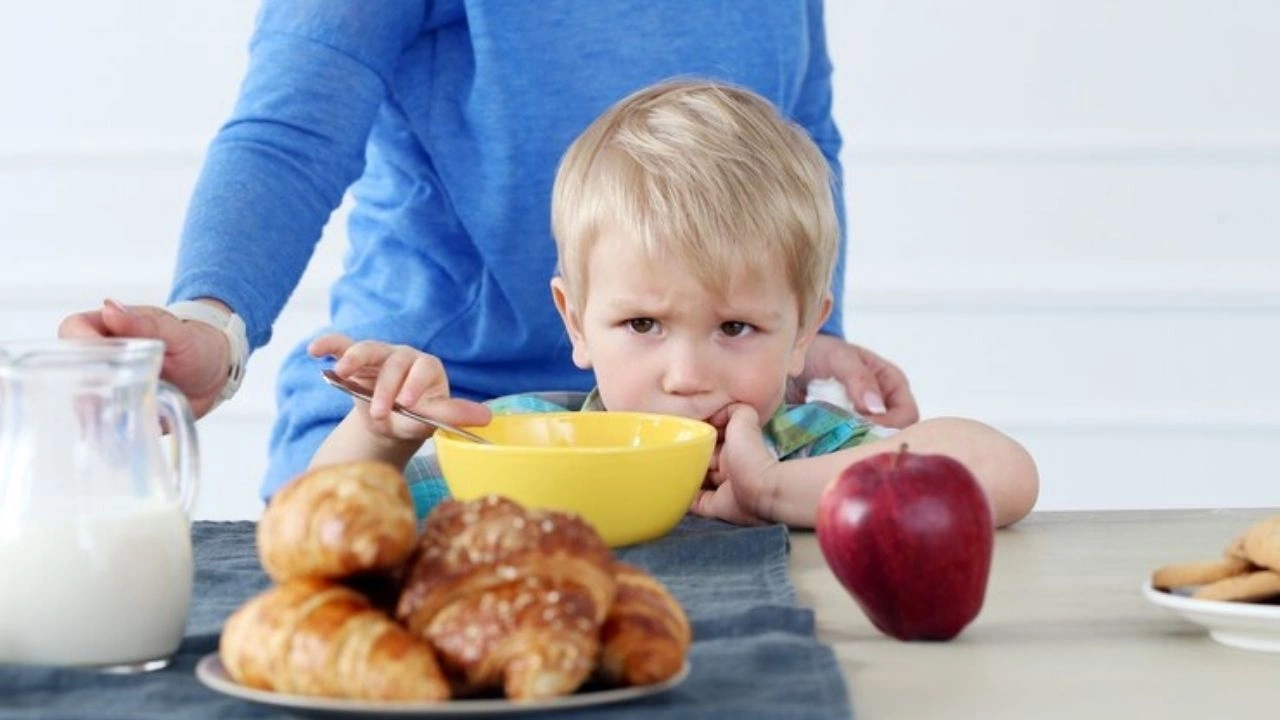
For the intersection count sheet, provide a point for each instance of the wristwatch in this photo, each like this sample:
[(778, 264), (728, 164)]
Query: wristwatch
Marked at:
[(230, 325)]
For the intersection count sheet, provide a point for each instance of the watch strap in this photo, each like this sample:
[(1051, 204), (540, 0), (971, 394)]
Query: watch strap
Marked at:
[(231, 326)]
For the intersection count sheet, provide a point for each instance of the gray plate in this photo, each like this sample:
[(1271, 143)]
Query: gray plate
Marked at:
[(211, 672)]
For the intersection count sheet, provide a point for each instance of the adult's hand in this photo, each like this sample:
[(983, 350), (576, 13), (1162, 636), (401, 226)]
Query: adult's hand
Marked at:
[(878, 389), (197, 357)]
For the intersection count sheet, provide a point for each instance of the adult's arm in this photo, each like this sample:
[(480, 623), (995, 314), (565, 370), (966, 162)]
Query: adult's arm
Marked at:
[(812, 110), (876, 387), (318, 73)]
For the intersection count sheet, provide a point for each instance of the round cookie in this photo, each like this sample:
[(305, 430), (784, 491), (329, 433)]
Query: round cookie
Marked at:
[(1260, 585), (1198, 573), (1262, 543), (1236, 548)]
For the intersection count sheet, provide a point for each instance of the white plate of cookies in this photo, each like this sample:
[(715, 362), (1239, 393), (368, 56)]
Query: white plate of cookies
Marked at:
[(1236, 597)]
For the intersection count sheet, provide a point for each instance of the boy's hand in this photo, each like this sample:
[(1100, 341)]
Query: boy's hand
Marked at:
[(740, 486), (397, 374), (878, 389)]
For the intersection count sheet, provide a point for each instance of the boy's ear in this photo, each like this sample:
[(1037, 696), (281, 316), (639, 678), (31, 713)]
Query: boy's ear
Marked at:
[(572, 322), (806, 335)]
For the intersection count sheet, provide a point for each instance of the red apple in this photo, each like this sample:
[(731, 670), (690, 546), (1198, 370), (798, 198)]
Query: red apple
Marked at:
[(909, 536)]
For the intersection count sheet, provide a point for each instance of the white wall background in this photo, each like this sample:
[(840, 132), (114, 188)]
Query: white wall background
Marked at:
[(1064, 218)]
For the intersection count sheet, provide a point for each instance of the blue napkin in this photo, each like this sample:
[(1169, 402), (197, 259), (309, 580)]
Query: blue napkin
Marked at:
[(754, 653)]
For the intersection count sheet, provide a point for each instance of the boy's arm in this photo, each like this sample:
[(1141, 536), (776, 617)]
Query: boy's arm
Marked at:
[(1003, 468), (755, 486), (351, 441)]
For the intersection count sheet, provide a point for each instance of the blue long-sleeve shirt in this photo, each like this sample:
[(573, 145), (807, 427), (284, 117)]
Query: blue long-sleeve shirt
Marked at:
[(449, 117)]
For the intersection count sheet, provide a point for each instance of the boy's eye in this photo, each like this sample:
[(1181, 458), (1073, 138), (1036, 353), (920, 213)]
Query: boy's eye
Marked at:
[(642, 326), (734, 328)]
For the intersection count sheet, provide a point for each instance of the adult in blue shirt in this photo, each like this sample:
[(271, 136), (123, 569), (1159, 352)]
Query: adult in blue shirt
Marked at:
[(449, 117)]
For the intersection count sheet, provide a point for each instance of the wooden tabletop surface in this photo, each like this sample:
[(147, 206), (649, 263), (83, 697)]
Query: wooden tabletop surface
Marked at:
[(1064, 631)]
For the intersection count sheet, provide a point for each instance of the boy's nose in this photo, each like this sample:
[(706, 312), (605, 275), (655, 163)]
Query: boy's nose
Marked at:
[(688, 372)]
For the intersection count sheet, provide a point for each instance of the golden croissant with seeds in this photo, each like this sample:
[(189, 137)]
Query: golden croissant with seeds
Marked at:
[(492, 598), (509, 597)]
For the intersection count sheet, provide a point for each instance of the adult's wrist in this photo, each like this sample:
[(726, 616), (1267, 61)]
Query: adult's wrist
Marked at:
[(221, 317), (213, 303)]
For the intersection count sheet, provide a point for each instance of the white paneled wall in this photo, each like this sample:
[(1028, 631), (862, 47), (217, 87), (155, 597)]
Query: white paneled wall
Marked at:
[(1064, 221), (1063, 218)]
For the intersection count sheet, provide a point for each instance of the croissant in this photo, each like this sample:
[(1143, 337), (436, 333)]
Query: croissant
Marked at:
[(337, 521), (509, 597), (646, 635), (313, 637), (532, 638)]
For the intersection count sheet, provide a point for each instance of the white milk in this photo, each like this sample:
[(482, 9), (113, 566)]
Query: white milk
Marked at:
[(109, 586)]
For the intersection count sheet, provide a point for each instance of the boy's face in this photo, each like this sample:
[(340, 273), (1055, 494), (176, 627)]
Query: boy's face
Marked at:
[(659, 341)]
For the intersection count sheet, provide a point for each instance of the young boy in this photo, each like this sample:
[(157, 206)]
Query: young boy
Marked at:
[(697, 235)]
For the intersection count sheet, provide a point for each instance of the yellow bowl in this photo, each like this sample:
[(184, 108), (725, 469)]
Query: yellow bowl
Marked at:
[(632, 475)]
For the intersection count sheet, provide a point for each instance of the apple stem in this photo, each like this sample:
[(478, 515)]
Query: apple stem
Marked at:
[(902, 452)]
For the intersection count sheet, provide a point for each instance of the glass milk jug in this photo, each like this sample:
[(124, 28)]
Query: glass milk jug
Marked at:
[(95, 544)]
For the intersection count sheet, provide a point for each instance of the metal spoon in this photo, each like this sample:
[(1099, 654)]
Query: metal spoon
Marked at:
[(356, 391)]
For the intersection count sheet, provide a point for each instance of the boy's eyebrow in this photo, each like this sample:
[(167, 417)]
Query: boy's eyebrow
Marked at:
[(652, 306), (636, 303), (757, 312)]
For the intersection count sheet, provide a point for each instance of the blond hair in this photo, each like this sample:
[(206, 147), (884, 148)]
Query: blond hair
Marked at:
[(707, 173)]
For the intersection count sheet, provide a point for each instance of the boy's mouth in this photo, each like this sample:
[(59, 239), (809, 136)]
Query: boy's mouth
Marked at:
[(718, 419), (719, 432)]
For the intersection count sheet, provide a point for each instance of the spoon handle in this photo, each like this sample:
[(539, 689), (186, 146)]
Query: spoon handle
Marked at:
[(356, 391)]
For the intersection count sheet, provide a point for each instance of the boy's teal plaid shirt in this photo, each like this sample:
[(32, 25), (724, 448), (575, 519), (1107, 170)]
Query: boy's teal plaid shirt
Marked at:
[(794, 431)]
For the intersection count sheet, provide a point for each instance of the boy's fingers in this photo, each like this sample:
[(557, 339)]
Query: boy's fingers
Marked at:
[(390, 378), (741, 418), (702, 503), (719, 504), (742, 437), (359, 355), (746, 462), (456, 411), (426, 378), (334, 344)]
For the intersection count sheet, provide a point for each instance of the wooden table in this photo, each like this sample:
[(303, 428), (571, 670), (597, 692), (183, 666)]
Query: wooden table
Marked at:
[(1064, 631)]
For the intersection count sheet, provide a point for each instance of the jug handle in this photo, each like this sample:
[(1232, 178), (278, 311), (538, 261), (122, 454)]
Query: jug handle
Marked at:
[(186, 451)]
